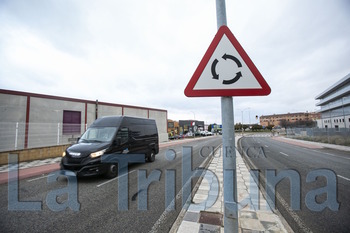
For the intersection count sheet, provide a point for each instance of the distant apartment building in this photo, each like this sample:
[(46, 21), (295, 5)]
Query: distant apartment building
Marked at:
[(335, 105), (288, 119)]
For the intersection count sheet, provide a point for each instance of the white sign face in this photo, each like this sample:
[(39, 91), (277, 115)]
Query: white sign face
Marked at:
[(226, 70), (223, 71)]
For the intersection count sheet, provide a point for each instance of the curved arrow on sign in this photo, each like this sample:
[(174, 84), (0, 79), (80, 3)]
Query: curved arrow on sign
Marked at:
[(235, 79), (233, 58), (213, 71), (225, 57)]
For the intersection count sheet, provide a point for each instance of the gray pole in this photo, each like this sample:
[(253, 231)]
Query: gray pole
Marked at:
[(228, 144)]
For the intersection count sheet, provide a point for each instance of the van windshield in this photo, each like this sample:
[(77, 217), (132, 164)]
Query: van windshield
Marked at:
[(98, 134)]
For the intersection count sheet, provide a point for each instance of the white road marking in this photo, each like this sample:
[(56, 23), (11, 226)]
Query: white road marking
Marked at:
[(108, 181), (38, 178), (343, 177), (331, 154), (284, 154)]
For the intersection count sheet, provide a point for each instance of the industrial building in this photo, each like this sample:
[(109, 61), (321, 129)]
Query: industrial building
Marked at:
[(335, 105), (191, 126), (29, 120)]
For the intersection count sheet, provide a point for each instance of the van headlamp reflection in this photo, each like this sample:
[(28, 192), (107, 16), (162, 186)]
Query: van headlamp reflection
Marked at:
[(97, 154)]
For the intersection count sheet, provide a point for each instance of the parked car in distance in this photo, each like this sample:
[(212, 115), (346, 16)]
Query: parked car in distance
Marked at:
[(206, 133), (111, 135)]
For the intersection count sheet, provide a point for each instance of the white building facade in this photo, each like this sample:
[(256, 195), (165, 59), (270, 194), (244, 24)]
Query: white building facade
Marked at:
[(335, 105)]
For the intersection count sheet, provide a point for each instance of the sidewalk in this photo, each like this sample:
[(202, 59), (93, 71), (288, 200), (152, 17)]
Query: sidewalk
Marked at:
[(256, 216)]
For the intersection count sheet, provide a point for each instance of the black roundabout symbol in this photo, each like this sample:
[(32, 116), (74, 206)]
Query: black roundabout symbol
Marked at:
[(225, 57)]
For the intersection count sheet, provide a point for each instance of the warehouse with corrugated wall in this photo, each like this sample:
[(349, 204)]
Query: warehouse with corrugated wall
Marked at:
[(29, 120)]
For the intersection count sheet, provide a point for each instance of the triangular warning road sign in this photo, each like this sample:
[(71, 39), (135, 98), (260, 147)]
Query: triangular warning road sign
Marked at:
[(226, 70)]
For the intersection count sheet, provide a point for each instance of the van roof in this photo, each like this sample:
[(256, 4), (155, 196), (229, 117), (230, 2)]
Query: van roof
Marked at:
[(116, 121), (107, 121)]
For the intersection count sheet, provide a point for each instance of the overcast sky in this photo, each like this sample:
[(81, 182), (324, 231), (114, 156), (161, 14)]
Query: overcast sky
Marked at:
[(144, 53)]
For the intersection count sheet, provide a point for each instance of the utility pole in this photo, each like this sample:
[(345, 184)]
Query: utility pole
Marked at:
[(229, 151), (201, 85)]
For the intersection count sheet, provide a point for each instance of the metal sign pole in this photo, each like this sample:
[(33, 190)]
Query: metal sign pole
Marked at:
[(229, 151)]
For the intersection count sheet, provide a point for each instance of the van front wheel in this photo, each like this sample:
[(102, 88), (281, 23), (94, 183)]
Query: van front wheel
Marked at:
[(151, 157), (112, 171)]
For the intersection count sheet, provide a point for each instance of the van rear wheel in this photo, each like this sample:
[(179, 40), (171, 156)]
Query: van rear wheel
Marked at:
[(112, 171), (151, 157)]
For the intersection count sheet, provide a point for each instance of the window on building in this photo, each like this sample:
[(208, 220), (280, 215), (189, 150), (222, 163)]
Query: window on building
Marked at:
[(71, 122)]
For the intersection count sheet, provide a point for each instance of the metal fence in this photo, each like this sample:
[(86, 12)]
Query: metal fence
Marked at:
[(340, 136), (19, 135)]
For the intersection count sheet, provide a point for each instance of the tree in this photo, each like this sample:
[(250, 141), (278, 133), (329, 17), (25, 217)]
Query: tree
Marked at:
[(269, 127), (256, 127), (245, 127)]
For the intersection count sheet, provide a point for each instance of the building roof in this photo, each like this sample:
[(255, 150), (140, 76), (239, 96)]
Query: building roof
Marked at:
[(334, 87), (20, 93), (288, 114)]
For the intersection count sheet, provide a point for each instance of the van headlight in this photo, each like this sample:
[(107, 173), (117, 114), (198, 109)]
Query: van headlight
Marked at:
[(97, 154), (63, 154)]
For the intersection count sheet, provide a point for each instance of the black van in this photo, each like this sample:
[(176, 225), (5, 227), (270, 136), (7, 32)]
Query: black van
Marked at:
[(111, 135)]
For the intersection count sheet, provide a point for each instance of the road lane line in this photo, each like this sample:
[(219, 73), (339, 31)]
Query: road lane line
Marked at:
[(266, 146), (343, 177), (39, 178), (284, 154), (281, 200), (331, 154), (335, 155), (108, 181)]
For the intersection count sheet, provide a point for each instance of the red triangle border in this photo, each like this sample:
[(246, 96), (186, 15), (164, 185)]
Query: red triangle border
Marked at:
[(224, 30)]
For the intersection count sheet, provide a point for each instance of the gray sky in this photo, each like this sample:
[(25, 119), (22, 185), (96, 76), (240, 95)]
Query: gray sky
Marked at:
[(144, 53)]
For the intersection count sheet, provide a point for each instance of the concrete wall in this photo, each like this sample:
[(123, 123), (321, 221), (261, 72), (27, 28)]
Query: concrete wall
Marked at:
[(45, 118), (34, 154), (161, 119), (105, 110), (136, 112), (12, 110)]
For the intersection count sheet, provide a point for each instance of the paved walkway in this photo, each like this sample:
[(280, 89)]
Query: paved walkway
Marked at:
[(254, 213)]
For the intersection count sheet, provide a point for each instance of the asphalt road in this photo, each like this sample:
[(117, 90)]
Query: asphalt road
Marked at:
[(98, 197), (265, 153)]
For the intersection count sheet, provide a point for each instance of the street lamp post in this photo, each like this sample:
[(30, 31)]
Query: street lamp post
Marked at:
[(242, 119)]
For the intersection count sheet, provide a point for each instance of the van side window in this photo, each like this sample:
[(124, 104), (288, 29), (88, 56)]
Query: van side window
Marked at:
[(123, 135)]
